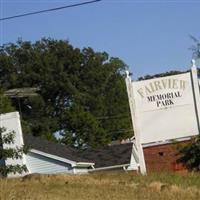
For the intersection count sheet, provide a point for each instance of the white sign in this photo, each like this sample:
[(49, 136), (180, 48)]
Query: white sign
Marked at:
[(166, 108)]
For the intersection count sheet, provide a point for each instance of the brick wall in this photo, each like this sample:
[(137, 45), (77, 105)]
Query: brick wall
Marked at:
[(163, 157)]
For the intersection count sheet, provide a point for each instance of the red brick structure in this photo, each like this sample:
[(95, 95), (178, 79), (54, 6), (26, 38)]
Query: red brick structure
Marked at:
[(163, 157)]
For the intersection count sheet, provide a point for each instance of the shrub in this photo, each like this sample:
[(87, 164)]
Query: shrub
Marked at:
[(9, 152), (190, 154)]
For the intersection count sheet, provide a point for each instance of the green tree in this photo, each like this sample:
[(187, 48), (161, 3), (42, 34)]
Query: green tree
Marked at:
[(81, 126), (10, 153), (82, 92)]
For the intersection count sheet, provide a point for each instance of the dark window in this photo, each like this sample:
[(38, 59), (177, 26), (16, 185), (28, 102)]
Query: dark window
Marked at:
[(161, 153)]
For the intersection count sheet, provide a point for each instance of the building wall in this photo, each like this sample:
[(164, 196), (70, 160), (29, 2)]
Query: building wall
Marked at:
[(163, 157), (40, 164)]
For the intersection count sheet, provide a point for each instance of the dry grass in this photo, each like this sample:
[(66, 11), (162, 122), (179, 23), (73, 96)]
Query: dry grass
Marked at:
[(103, 186)]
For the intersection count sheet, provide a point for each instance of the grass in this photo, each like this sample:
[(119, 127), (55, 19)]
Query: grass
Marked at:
[(103, 186)]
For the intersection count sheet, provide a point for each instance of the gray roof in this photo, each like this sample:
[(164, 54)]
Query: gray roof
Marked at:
[(118, 154), (102, 157), (56, 149)]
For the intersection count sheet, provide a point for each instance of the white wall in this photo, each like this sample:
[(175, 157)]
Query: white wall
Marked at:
[(40, 164)]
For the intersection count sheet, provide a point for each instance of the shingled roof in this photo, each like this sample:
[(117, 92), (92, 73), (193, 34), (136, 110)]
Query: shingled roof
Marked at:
[(118, 154), (49, 147), (102, 157)]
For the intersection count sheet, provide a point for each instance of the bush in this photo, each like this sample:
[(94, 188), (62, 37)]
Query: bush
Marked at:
[(12, 153), (190, 154)]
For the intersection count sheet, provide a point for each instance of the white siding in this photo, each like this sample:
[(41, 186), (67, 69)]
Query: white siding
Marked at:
[(80, 170), (40, 164)]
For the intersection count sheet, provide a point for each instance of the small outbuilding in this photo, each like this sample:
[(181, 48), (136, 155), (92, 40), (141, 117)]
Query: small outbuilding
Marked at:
[(47, 157)]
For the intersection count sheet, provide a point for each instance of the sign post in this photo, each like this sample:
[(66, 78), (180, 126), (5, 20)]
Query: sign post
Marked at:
[(133, 110)]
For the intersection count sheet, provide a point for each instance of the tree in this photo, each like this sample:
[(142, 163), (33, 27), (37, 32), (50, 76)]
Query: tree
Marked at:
[(82, 92), (10, 153), (81, 127)]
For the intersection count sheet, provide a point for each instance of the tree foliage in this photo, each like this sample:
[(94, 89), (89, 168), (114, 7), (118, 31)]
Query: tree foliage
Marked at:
[(10, 152), (82, 92), (190, 154)]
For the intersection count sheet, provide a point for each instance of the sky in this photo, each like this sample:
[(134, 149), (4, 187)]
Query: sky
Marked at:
[(150, 36)]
